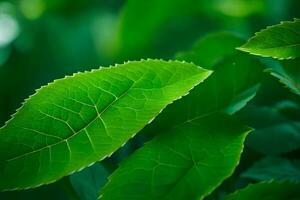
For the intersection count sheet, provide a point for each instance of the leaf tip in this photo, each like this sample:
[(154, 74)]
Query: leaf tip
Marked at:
[(243, 48)]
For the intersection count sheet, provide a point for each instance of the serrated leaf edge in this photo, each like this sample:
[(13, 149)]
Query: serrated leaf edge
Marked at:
[(208, 73), (279, 79), (244, 49), (245, 134)]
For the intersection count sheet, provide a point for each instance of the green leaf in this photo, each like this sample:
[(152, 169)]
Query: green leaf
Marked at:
[(288, 73), (88, 181), (187, 162), (207, 52), (273, 128), (233, 77), (280, 41), (235, 81), (274, 168), (236, 77), (141, 21), (267, 190), (146, 26), (73, 122)]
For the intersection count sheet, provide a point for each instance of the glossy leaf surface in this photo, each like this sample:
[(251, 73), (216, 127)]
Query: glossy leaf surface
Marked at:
[(280, 41), (177, 121), (187, 162), (73, 122)]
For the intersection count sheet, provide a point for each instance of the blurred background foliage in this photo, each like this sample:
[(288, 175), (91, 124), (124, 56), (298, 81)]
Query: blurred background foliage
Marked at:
[(42, 40)]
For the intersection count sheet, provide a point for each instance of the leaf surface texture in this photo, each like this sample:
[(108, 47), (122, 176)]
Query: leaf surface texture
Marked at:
[(280, 41), (73, 122), (187, 162)]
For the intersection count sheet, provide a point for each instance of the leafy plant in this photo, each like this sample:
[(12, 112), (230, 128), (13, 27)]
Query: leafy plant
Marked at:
[(90, 114), (188, 161), (155, 129), (279, 41)]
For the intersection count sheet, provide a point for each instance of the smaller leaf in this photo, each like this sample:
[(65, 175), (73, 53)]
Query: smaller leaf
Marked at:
[(288, 73), (274, 168), (234, 82), (275, 133), (267, 190), (187, 162), (207, 52), (88, 181), (280, 41), (141, 22)]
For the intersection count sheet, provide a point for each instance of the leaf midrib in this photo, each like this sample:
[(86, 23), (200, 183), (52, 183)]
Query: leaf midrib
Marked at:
[(274, 47), (178, 180)]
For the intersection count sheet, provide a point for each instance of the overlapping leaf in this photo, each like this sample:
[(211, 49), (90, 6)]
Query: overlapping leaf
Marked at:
[(76, 121), (189, 131), (86, 183), (143, 23), (187, 162), (207, 52), (272, 127), (141, 20), (267, 190), (280, 41), (235, 81), (274, 168), (288, 73)]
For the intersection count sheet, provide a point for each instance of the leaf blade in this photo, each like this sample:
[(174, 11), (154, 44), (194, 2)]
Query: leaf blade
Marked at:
[(87, 181), (216, 95), (274, 168), (287, 72), (281, 41), (67, 115), (202, 153), (207, 53), (235, 81), (267, 190), (272, 127), (223, 91)]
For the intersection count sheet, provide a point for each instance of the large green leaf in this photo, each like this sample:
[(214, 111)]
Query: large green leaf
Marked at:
[(267, 190), (288, 73), (280, 41), (274, 168), (73, 122), (187, 162)]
